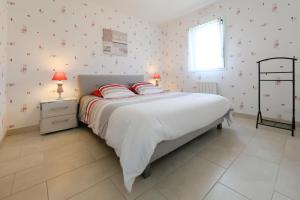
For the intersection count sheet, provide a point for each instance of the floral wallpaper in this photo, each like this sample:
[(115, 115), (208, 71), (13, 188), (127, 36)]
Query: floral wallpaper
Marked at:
[(3, 41), (254, 30), (66, 35)]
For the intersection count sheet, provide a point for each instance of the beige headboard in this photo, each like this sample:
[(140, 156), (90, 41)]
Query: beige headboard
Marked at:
[(89, 83)]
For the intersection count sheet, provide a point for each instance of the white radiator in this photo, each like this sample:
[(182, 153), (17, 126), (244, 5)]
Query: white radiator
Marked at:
[(208, 87)]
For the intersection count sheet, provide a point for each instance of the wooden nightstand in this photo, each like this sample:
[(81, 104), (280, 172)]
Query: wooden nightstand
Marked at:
[(57, 115)]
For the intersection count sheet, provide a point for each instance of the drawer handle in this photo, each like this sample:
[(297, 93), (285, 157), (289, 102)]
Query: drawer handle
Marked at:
[(59, 108), (60, 121)]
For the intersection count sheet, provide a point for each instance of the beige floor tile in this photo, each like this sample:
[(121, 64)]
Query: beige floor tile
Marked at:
[(64, 151), (249, 123), (51, 142), (98, 148), (242, 129), (278, 196), (34, 146), (82, 178), (67, 161), (288, 182), (86, 134), (140, 185), (268, 146), (297, 133), (36, 158), (16, 139), (272, 130), (273, 133), (59, 139), (221, 192), (104, 190), (219, 155), (37, 143), (292, 149), (195, 146), (169, 163), (151, 195), (19, 164), (242, 124), (54, 165), (26, 146), (38, 192), (29, 177), (233, 140), (9, 152), (191, 181), (21, 147), (252, 177), (159, 170), (6, 185)]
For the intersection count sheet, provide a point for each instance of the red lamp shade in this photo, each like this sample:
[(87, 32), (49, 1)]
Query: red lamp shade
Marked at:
[(156, 76), (59, 76)]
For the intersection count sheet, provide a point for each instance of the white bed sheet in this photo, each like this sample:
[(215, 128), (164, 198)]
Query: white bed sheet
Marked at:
[(134, 130)]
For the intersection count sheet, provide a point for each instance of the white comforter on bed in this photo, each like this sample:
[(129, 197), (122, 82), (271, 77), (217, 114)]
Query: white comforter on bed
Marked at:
[(134, 130)]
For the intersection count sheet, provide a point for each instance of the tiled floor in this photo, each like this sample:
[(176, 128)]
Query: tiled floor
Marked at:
[(237, 163)]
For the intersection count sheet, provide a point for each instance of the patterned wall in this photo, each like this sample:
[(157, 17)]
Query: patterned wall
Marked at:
[(51, 35), (3, 41), (255, 29), (66, 35)]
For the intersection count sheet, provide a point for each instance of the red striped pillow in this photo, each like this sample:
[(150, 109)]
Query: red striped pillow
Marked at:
[(146, 88), (111, 91)]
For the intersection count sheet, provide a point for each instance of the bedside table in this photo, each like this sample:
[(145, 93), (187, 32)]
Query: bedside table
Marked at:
[(57, 115)]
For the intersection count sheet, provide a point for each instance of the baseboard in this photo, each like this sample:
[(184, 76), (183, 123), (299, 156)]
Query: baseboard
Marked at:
[(243, 115), (4, 127), (2, 137), (37, 127), (23, 130), (249, 116)]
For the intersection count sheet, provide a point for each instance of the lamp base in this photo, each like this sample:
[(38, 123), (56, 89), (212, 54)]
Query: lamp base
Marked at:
[(60, 98), (60, 90), (156, 83)]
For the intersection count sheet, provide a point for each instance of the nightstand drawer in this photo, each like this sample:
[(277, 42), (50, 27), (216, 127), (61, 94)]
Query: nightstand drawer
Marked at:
[(58, 108), (53, 124)]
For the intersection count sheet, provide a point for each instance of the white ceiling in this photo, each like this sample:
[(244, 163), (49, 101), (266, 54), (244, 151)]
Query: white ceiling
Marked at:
[(157, 11)]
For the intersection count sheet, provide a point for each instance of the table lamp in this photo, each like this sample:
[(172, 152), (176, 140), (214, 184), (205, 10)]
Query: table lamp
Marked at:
[(157, 77), (60, 77)]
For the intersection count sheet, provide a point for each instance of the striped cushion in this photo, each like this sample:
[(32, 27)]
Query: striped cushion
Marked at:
[(111, 91), (146, 88)]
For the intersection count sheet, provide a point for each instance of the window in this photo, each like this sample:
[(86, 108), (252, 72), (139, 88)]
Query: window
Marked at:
[(206, 46)]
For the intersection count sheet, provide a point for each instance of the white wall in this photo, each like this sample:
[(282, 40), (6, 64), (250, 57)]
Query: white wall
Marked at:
[(66, 35), (254, 30), (3, 41)]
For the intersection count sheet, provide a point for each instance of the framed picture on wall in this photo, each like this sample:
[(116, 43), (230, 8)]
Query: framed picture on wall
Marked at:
[(115, 43)]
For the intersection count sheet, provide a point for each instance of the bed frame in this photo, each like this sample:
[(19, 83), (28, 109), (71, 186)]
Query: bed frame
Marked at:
[(89, 83)]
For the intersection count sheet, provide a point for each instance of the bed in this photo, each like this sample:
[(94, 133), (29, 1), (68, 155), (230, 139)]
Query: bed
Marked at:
[(143, 129)]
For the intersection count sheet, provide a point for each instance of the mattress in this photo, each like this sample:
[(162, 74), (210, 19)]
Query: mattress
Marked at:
[(134, 126)]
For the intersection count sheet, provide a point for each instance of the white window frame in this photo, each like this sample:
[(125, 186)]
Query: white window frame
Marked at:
[(195, 63)]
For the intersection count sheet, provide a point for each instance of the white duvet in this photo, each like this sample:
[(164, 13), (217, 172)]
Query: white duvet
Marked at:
[(134, 130)]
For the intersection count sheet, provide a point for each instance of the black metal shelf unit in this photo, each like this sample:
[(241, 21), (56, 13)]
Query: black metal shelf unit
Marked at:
[(260, 121)]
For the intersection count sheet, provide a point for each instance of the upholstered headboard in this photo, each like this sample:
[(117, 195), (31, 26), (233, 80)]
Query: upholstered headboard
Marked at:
[(89, 83)]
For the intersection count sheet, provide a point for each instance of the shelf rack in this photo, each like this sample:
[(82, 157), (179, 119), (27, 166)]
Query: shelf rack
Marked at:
[(260, 121)]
